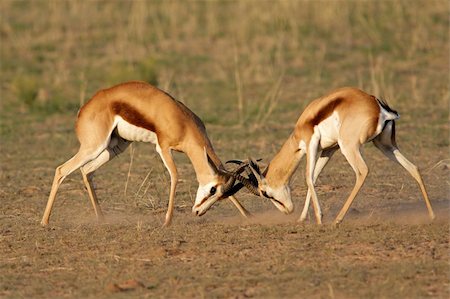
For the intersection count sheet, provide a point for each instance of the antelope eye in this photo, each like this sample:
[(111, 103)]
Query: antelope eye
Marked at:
[(213, 190)]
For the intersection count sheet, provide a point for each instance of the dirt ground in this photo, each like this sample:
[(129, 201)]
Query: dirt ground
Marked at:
[(386, 247)]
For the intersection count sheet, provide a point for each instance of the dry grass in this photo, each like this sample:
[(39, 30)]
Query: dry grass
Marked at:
[(385, 48)]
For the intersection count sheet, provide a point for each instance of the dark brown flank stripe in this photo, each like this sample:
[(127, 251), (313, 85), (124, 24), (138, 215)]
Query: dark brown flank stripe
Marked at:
[(309, 123), (132, 116), (325, 112)]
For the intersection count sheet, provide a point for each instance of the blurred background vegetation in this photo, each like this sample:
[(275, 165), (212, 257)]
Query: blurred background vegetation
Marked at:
[(247, 68), (232, 62)]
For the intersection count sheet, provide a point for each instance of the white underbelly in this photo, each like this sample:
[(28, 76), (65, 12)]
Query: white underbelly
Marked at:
[(134, 133), (329, 131)]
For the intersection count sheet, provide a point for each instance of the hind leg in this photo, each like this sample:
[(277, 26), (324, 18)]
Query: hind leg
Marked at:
[(353, 155), (386, 143), (116, 146), (81, 158)]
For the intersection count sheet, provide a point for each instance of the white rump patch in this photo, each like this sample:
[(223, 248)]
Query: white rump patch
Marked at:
[(383, 117)]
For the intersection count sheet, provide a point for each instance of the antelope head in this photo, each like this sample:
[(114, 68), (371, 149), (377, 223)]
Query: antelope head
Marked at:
[(220, 185), (257, 184)]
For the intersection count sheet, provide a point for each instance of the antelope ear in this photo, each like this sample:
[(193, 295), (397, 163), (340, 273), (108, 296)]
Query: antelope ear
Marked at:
[(211, 164), (265, 170), (254, 165)]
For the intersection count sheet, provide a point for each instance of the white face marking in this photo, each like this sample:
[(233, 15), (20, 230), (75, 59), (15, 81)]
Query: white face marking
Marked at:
[(281, 198), (133, 133), (329, 130), (204, 199)]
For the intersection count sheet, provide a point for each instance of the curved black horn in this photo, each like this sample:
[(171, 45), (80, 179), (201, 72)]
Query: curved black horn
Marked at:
[(229, 184), (254, 175), (233, 190), (250, 162), (236, 175), (254, 165), (231, 179), (249, 184), (238, 162)]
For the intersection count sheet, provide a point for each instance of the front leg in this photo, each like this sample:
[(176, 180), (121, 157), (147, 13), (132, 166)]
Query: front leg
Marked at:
[(311, 155), (239, 206), (166, 156), (324, 157)]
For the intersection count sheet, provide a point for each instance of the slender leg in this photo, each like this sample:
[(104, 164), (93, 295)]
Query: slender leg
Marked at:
[(238, 205), (324, 157), (311, 155), (116, 146), (353, 155), (87, 179), (386, 144), (166, 156), (62, 171)]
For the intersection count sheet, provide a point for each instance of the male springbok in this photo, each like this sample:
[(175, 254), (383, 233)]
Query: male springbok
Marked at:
[(346, 119), (137, 111)]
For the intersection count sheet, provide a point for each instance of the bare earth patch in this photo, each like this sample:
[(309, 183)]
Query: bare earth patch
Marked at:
[(394, 252)]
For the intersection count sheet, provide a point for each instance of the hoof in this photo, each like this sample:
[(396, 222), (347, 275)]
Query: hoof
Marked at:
[(167, 223)]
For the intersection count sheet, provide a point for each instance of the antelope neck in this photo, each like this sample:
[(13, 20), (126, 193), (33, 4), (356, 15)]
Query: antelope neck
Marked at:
[(200, 163), (284, 163)]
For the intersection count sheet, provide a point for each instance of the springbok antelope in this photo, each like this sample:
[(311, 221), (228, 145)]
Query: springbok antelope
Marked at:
[(137, 111), (346, 118)]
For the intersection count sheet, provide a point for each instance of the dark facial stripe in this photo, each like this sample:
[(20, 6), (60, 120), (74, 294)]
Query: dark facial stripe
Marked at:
[(264, 193), (279, 202), (132, 116), (203, 201)]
